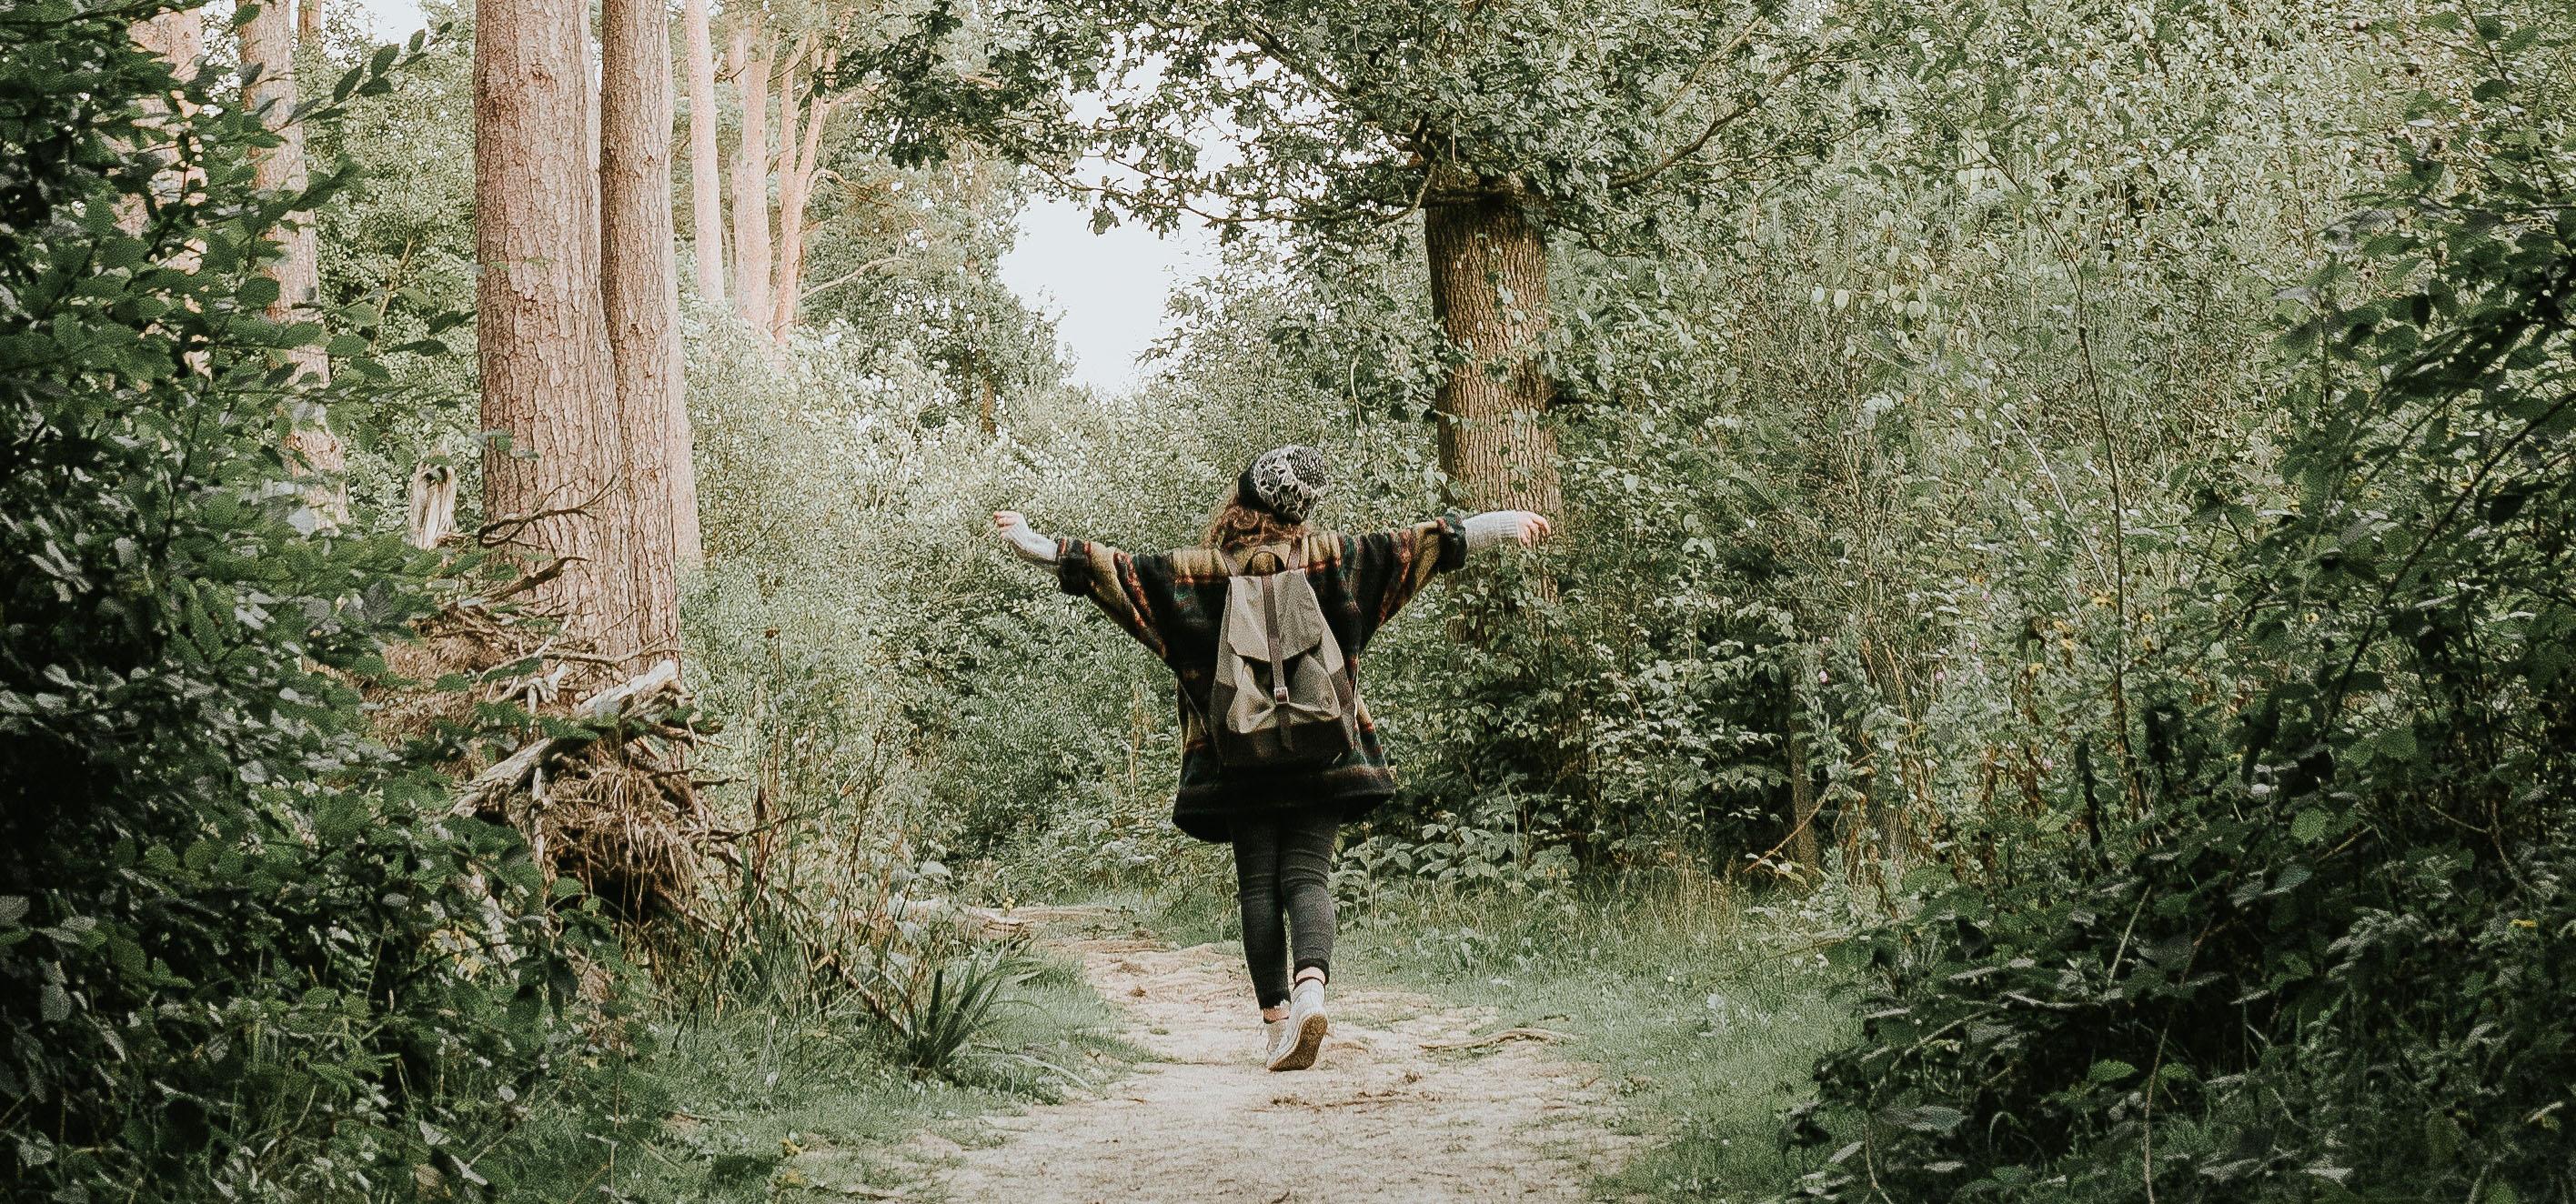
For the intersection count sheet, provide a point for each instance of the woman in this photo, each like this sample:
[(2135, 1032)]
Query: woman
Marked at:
[(1282, 824)]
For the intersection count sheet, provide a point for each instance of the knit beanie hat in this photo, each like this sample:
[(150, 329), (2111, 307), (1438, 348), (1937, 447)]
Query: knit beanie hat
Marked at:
[(1286, 481)]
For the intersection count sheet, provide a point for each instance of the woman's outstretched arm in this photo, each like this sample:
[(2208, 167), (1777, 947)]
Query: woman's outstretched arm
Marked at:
[(1493, 527), (1013, 528)]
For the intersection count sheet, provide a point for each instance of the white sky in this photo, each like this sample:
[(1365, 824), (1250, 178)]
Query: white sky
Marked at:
[(1106, 292)]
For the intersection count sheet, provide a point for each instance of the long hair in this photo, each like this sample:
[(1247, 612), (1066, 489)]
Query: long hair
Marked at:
[(1235, 526)]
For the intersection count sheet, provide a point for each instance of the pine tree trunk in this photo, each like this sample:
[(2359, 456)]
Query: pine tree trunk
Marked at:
[(640, 290), (268, 46), (751, 181), (308, 21), (553, 489), (1489, 292), (177, 37), (706, 200)]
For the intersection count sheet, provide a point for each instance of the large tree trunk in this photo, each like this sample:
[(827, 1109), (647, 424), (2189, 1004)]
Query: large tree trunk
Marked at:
[(268, 49), (178, 38), (751, 181), (1489, 292), (553, 489), (706, 198), (640, 289)]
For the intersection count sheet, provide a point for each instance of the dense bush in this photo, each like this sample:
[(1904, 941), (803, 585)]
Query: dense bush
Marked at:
[(244, 951), (2329, 958)]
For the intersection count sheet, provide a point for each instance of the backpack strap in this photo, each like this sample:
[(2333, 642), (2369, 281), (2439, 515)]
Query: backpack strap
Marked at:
[(1278, 662)]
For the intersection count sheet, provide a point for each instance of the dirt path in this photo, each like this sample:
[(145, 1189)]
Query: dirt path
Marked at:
[(1380, 1117)]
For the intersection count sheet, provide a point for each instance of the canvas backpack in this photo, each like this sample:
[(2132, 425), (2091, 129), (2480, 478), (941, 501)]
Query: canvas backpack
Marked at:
[(1284, 696)]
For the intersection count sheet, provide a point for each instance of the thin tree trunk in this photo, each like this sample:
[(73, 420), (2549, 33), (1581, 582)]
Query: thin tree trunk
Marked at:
[(706, 200), (751, 181), (1804, 846), (985, 416), (268, 48), (798, 151), (640, 290), (1489, 292), (308, 21), (553, 489)]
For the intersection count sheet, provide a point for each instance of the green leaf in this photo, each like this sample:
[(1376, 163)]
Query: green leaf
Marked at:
[(2110, 1070), (2309, 827)]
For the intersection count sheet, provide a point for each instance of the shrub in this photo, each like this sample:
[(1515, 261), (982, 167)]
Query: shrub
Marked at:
[(2330, 960), (244, 951)]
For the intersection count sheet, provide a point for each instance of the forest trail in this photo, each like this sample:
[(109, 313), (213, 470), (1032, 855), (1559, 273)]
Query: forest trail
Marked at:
[(1380, 1116)]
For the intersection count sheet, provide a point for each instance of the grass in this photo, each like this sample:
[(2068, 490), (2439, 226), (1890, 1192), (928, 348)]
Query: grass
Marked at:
[(761, 1104), (1703, 1009)]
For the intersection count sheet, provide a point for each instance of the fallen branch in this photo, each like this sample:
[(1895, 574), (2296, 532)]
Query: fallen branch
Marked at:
[(1509, 1034), (505, 775)]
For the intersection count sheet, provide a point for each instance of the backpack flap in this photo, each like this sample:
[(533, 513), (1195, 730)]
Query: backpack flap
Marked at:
[(1283, 693)]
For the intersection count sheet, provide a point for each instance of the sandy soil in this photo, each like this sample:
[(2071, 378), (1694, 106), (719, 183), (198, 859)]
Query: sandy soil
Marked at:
[(1379, 1118)]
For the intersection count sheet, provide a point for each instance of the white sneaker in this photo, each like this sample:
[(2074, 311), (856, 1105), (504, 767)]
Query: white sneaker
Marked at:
[(1274, 1036), (1303, 1033)]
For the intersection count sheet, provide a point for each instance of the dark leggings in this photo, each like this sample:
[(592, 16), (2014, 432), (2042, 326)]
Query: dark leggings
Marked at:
[(1281, 863)]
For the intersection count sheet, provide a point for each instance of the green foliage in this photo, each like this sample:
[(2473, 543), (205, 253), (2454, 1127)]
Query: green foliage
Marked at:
[(397, 265), (245, 952), (2328, 960), (1347, 115)]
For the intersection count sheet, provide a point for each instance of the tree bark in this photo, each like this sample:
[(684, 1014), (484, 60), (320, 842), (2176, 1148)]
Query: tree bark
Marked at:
[(178, 38), (798, 150), (751, 181), (308, 22), (706, 198), (268, 48), (552, 490), (1805, 849), (640, 290), (1489, 292)]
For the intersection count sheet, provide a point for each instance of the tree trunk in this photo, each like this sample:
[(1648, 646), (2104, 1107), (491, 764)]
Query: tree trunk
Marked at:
[(751, 181), (798, 149), (1805, 849), (308, 21), (268, 47), (178, 38), (706, 200), (1489, 292), (640, 290), (432, 514), (552, 490), (985, 417)]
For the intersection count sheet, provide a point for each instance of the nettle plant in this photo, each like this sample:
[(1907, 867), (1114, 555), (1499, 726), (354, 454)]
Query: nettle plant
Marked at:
[(244, 951), (2330, 962)]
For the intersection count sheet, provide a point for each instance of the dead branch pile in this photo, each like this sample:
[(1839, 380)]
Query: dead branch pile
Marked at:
[(598, 782)]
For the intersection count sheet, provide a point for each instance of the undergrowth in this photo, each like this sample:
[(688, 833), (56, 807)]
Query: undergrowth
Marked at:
[(778, 1099)]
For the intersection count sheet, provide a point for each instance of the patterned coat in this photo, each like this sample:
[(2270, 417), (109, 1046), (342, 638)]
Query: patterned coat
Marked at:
[(1173, 603)]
